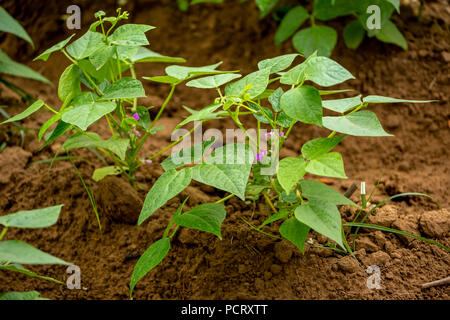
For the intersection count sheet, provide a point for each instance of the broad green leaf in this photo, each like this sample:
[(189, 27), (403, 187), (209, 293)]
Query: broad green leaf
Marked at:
[(206, 113), (275, 99), (322, 217), (290, 23), (212, 81), (10, 67), (381, 99), (396, 4), (69, 83), (146, 55), (315, 190), (266, 93), (277, 64), (361, 123), (297, 74), (183, 73), (101, 173), (260, 114), (326, 72), (27, 112), (91, 139), (253, 84), (328, 92), (318, 147), (303, 104), (353, 34), (316, 38), (328, 165), (187, 155), (290, 171), (265, 6), (329, 9), (342, 105), (228, 168), (130, 35), (205, 217), (47, 125), (21, 269), (163, 79), (39, 218), (85, 45), (9, 24), (28, 295), (168, 185), (83, 115), (149, 259), (389, 33), (46, 54), (295, 231), (281, 214), (124, 88), (101, 56), (364, 16), (284, 120), (60, 129), (15, 251)]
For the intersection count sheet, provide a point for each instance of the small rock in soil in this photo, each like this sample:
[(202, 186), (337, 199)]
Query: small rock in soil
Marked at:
[(435, 224), (348, 264), (361, 253), (407, 224), (267, 275), (118, 200), (378, 258), (259, 284), (283, 251), (322, 252), (276, 269)]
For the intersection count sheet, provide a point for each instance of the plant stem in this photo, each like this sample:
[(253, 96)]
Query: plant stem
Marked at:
[(5, 229), (269, 202), (172, 89), (260, 231), (225, 198)]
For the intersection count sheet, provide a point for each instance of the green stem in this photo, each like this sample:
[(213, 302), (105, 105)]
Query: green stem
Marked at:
[(133, 74), (5, 229), (172, 89), (225, 198)]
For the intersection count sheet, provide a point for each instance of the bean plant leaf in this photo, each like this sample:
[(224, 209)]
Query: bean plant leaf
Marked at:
[(28, 295), (101, 173), (9, 24), (252, 84), (277, 64), (206, 113), (320, 146), (149, 260), (281, 214), (86, 45), (295, 231), (275, 99), (329, 9), (101, 56), (322, 217), (315, 190), (353, 34), (15, 251), (265, 6), (381, 99), (316, 38), (389, 33), (187, 155), (60, 45), (303, 104), (326, 72), (130, 35), (27, 112), (212, 81), (328, 165), (10, 67), (297, 74), (290, 171), (168, 185), (124, 88), (184, 73), (147, 55), (69, 83), (47, 125), (84, 114), (163, 79), (342, 105), (60, 129), (290, 23), (21, 269), (39, 218), (205, 217), (361, 123)]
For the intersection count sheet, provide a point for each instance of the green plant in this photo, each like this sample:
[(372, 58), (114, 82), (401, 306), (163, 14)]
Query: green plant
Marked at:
[(251, 173), (10, 67), (14, 254), (183, 5)]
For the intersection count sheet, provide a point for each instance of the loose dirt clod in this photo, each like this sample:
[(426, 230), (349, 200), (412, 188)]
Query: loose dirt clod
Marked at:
[(435, 224)]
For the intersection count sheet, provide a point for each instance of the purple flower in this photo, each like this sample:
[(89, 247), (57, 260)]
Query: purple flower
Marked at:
[(136, 116), (136, 133), (281, 134), (146, 161), (261, 155), (269, 135), (124, 135)]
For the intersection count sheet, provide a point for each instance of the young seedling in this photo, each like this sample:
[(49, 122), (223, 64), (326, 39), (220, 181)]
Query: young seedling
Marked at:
[(14, 253), (249, 172)]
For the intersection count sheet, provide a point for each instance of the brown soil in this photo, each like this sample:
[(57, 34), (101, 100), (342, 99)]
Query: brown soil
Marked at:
[(245, 264)]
